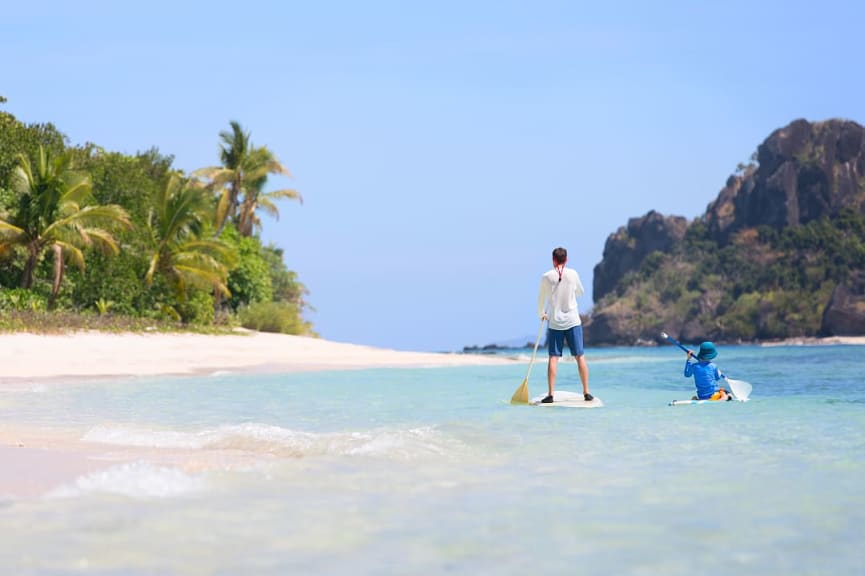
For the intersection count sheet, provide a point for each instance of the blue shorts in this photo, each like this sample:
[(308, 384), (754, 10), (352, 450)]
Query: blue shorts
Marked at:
[(556, 340)]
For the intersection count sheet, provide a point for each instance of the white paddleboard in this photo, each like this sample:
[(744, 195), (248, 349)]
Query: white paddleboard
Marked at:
[(566, 399), (688, 402)]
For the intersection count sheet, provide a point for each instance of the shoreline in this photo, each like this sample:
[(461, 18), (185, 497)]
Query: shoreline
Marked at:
[(37, 460), (814, 341), (798, 341), (27, 356)]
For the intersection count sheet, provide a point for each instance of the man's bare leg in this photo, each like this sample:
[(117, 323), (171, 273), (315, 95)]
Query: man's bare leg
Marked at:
[(583, 367), (552, 371)]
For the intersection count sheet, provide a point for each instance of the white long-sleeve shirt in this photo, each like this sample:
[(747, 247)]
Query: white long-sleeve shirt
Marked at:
[(558, 298)]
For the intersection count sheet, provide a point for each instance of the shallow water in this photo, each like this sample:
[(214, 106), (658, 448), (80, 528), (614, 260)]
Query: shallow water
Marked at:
[(429, 471)]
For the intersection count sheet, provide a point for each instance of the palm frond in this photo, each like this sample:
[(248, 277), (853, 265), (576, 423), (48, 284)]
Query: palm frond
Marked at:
[(103, 241), (9, 230), (213, 247), (111, 215), (203, 278), (154, 266), (22, 176), (268, 207), (284, 194), (79, 188)]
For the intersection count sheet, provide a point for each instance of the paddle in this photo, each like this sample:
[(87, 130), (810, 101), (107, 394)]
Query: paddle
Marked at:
[(521, 396), (740, 389)]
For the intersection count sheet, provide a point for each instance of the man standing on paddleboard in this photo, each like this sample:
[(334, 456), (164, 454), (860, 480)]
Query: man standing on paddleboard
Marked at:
[(557, 303)]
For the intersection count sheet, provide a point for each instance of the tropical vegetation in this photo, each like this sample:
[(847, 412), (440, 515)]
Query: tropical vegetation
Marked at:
[(95, 238), (767, 283)]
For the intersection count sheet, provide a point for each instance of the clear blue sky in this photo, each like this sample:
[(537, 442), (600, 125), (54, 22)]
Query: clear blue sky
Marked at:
[(443, 149)]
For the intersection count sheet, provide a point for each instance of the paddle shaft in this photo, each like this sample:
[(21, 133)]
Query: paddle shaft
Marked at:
[(521, 396), (677, 343), (535, 351), (680, 345)]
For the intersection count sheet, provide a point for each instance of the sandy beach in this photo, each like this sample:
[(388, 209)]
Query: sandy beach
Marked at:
[(79, 354), (829, 340), (34, 461)]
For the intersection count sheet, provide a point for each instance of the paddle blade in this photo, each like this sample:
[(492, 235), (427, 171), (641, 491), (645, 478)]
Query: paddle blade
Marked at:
[(521, 396), (740, 389)]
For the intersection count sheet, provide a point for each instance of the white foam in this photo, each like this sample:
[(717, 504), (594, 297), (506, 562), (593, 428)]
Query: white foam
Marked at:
[(254, 437), (401, 444), (135, 480), (125, 436), (26, 386)]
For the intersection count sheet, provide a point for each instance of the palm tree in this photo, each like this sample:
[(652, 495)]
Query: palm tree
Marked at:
[(183, 252), (54, 214), (262, 163), (243, 173)]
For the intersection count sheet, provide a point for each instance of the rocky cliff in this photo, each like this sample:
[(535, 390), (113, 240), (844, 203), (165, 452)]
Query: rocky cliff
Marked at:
[(626, 249), (805, 171), (779, 253)]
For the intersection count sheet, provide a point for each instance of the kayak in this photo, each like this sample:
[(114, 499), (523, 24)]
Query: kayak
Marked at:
[(689, 402)]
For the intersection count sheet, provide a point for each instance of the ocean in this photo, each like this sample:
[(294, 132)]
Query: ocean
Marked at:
[(432, 471)]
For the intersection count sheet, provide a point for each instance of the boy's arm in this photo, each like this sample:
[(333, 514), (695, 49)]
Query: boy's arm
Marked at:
[(688, 366)]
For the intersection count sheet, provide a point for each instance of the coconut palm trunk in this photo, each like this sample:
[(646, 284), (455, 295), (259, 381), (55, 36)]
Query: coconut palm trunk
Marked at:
[(58, 274), (33, 251)]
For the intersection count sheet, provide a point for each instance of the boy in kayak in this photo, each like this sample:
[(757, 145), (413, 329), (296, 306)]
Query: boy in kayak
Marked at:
[(706, 374)]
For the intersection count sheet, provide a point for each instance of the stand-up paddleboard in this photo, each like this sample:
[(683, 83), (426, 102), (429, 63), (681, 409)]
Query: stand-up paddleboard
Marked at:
[(566, 399), (689, 402)]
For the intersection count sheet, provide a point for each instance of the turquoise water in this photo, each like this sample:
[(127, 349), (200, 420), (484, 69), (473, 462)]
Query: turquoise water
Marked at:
[(431, 471)]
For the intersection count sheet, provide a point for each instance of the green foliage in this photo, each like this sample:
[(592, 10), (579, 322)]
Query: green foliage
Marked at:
[(44, 322), (651, 264), (249, 282), (104, 306), (286, 287), (19, 138), (117, 178), (765, 284), (55, 213), (240, 181), (182, 252), (126, 289), (20, 299), (197, 309), (273, 317), (145, 232), (742, 317)]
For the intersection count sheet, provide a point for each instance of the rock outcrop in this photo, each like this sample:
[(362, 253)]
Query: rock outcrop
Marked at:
[(845, 313), (741, 285), (806, 171), (626, 249)]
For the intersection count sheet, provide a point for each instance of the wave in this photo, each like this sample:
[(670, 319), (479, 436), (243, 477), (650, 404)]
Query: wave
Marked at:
[(263, 438), (135, 480)]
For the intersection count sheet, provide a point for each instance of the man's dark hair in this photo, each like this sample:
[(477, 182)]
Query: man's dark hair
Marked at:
[(560, 255)]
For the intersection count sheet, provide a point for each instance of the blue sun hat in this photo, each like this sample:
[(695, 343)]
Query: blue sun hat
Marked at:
[(707, 351)]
